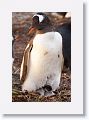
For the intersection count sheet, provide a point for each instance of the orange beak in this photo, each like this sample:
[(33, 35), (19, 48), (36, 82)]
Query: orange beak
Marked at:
[(32, 30)]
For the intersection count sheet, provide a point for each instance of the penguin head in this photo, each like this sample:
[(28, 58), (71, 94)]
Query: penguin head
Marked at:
[(40, 21)]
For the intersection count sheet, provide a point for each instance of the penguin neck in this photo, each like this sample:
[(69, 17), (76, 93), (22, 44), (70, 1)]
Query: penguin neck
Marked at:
[(46, 29)]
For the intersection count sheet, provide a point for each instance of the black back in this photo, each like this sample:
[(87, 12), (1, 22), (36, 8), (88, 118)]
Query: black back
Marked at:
[(65, 31)]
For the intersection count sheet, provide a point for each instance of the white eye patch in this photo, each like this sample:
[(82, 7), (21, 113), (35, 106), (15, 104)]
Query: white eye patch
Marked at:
[(41, 17)]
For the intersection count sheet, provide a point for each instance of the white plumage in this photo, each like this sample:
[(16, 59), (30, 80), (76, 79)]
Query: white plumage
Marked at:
[(68, 15), (45, 62)]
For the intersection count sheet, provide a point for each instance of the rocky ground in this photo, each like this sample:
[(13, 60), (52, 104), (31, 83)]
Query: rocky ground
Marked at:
[(20, 27)]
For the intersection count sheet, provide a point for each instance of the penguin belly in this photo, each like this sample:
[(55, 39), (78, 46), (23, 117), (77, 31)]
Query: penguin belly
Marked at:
[(45, 62)]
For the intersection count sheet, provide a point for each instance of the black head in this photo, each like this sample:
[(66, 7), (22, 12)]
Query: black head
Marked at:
[(40, 21)]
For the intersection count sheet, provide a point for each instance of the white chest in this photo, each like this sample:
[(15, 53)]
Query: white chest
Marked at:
[(46, 46), (45, 59), (46, 51)]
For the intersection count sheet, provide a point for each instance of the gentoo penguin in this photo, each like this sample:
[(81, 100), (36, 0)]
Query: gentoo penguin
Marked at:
[(62, 14), (42, 60), (68, 15)]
